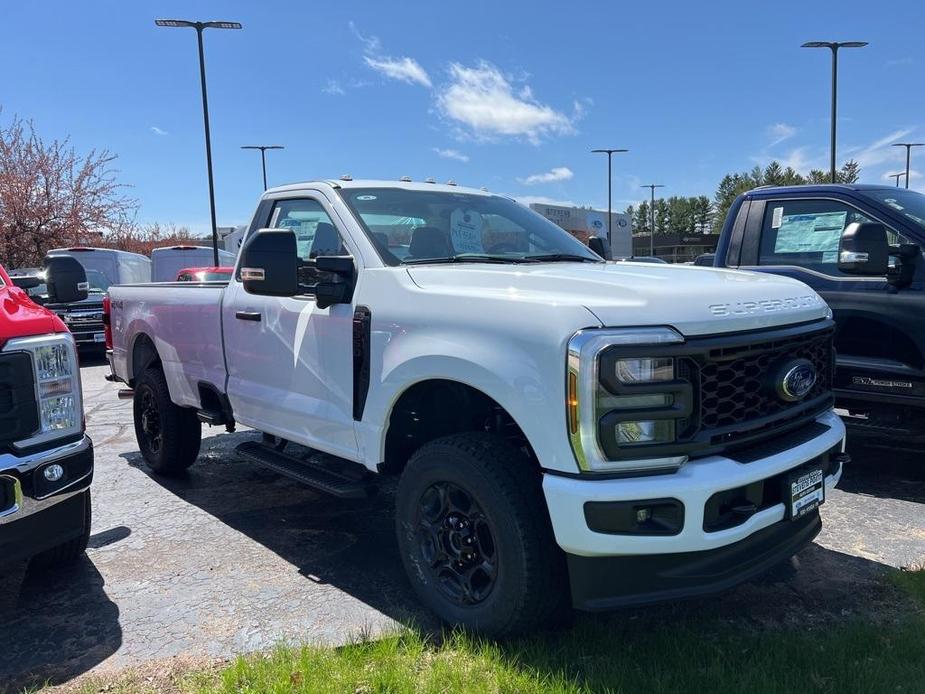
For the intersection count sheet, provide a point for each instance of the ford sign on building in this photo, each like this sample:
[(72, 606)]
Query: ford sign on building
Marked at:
[(582, 223)]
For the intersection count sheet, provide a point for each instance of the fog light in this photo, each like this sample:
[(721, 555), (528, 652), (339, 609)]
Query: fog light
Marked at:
[(643, 514), (53, 473)]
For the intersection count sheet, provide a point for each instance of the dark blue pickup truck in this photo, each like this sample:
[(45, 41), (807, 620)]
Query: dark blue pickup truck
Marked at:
[(860, 248)]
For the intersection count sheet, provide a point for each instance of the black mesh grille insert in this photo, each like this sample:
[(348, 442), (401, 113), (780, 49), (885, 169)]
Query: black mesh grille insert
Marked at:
[(734, 381)]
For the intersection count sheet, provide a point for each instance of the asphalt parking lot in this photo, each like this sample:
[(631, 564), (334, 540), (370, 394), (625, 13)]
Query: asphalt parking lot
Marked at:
[(233, 558)]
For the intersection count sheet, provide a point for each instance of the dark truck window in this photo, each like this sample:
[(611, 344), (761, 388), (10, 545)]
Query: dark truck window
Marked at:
[(805, 233), (315, 235)]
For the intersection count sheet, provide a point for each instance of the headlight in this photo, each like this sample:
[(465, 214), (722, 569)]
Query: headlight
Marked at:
[(624, 406), (57, 386)]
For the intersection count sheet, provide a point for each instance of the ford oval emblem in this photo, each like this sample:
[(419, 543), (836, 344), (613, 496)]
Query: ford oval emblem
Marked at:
[(796, 380)]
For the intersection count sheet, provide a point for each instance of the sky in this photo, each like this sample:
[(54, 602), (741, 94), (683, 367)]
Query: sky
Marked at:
[(508, 95)]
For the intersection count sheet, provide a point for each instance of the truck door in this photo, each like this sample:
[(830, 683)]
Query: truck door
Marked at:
[(290, 363), (879, 334)]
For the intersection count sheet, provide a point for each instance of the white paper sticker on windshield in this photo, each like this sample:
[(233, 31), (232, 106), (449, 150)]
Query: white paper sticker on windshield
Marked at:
[(810, 233), (776, 217), (466, 231)]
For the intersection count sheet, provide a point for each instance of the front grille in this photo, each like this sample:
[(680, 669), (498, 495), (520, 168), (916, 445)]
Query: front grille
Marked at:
[(19, 415), (733, 382)]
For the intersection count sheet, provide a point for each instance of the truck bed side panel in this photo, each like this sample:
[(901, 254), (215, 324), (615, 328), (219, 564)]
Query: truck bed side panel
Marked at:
[(184, 322)]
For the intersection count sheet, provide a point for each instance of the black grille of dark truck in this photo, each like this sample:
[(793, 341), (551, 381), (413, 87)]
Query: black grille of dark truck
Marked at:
[(19, 417)]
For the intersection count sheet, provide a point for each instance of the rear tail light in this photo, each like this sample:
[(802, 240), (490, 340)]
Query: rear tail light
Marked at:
[(107, 323)]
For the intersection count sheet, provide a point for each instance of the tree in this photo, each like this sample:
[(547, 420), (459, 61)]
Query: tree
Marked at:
[(52, 196), (703, 214), (773, 174), (662, 217), (641, 220)]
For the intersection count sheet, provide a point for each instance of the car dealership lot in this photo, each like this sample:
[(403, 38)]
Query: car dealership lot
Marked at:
[(234, 558)]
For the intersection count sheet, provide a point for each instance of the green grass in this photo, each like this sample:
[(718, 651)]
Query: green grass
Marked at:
[(601, 654)]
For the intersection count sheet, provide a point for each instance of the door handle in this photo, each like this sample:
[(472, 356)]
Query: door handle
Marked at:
[(247, 315)]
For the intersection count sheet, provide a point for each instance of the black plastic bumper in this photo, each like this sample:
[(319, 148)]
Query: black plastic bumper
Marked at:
[(42, 523), (602, 583)]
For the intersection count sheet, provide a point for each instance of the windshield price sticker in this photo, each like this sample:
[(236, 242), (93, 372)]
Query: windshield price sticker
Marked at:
[(466, 231)]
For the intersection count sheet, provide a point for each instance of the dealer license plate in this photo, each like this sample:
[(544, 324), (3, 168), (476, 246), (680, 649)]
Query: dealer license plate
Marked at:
[(99, 337), (807, 492)]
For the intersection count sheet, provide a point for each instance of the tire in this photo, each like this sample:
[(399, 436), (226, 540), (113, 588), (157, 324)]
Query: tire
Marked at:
[(70, 551), (168, 435), (516, 581)]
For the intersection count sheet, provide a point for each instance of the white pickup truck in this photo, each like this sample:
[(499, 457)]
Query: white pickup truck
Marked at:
[(566, 430)]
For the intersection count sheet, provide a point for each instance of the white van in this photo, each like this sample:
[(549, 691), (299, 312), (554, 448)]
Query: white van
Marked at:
[(167, 262), (106, 266)]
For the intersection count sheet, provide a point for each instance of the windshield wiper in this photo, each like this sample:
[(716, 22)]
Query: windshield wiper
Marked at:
[(561, 258), (470, 258)]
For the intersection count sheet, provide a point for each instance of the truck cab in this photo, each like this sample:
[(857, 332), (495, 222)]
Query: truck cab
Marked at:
[(46, 458), (804, 232)]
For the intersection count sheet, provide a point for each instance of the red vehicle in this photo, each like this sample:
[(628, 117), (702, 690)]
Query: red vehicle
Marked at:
[(46, 458), (205, 274)]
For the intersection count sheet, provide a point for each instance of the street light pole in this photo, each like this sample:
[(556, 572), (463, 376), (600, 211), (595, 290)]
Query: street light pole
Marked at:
[(834, 46), (896, 177), (199, 27), (263, 158), (609, 153), (908, 146), (652, 187)]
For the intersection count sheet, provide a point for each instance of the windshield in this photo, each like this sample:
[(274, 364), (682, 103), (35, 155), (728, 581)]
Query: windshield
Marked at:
[(410, 226), (907, 202), (97, 281)]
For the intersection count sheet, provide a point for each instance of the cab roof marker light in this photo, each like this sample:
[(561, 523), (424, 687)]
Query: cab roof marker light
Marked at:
[(346, 177), (405, 179), (430, 180)]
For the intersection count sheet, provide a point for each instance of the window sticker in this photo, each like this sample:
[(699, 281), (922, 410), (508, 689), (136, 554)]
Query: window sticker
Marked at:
[(466, 231), (810, 233), (776, 217)]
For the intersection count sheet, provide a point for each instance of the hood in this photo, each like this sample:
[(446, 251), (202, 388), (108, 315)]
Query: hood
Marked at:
[(694, 300), (21, 317)]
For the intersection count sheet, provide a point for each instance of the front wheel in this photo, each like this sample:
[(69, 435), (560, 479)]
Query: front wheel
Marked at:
[(475, 537), (168, 435)]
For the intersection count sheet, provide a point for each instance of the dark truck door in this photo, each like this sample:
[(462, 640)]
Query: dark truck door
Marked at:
[(880, 335)]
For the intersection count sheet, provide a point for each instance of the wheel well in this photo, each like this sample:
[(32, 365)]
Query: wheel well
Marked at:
[(432, 409), (859, 336), (144, 354)]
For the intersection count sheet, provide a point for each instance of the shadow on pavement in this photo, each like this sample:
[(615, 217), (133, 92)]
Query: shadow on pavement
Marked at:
[(61, 625), (351, 546), (881, 472)]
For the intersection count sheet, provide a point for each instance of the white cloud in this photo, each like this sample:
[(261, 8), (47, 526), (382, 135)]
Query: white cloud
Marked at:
[(780, 132), (880, 151), (402, 69), (371, 43), (334, 88), (451, 154), (900, 61), (158, 131), (528, 200), (559, 173), (482, 99)]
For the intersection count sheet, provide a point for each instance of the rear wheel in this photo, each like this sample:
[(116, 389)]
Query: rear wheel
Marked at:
[(475, 537), (168, 435)]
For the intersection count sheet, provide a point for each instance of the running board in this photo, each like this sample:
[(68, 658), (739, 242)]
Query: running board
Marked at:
[(307, 472)]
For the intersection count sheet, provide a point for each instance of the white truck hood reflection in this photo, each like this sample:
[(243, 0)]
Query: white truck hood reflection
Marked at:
[(695, 300)]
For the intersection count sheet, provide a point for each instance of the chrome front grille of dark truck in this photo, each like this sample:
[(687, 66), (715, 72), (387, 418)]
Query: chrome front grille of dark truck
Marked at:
[(19, 414)]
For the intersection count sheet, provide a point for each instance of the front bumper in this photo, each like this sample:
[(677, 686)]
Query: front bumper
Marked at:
[(692, 485), (36, 515)]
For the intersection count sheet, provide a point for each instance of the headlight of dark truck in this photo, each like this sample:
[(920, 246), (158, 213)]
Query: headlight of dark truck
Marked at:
[(623, 403)]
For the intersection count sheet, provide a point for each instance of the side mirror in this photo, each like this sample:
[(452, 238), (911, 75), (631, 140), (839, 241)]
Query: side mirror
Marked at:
[(66, 279), (864, 250), (340, 290), (600, 246), (269, 263), (26, 281)]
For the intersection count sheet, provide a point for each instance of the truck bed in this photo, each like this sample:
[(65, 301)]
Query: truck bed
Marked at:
[(184, 320)]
